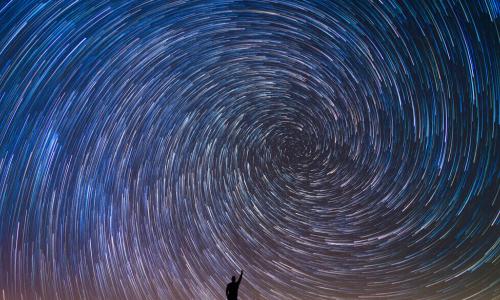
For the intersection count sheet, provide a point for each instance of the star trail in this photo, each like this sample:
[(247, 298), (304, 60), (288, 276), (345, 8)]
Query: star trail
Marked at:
[(330, 149)]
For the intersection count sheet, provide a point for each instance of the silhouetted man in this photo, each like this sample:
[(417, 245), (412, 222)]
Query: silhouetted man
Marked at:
[(232, 288)]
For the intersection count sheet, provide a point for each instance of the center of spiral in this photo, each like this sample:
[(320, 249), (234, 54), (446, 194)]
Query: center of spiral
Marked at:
[(293, 148)]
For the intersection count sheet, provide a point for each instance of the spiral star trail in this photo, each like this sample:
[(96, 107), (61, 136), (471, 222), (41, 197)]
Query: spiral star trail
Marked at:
[(330, 149)]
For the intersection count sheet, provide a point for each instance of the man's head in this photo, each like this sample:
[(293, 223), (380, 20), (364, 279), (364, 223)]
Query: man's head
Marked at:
[(233, 279)]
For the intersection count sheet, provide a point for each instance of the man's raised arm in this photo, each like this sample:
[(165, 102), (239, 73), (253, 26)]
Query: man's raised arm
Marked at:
[(239, 279)]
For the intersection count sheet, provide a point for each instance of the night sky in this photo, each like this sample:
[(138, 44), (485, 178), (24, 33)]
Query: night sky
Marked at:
[(330, 149)]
